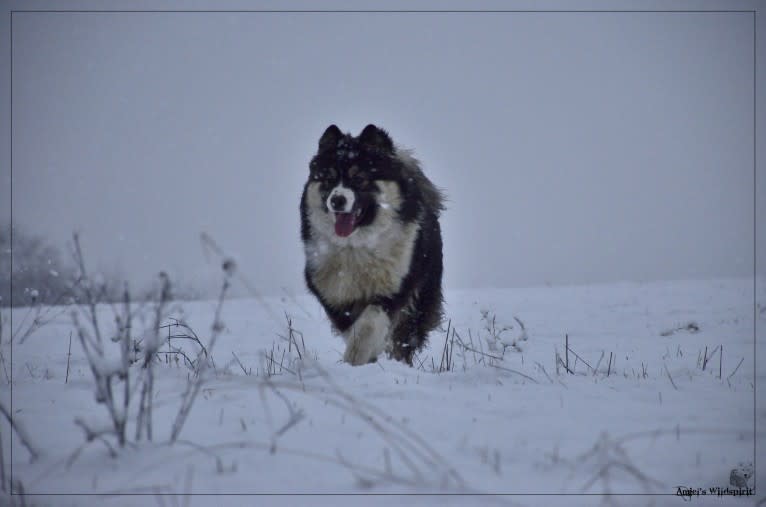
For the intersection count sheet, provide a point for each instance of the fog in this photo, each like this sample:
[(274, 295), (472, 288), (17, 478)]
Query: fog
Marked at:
[(573, 147)]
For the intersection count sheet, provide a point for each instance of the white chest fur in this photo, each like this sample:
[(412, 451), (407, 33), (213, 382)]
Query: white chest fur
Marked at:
[(373, 261), (345, 274)]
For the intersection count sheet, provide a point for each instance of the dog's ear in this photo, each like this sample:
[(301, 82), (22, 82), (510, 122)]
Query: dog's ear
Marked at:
[(376, 137), (330, 138)]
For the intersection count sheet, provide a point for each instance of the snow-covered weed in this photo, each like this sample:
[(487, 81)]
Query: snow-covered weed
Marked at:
[(124, 382), (470, 352)]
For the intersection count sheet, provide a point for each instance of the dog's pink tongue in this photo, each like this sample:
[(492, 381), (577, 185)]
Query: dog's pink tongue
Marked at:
[(344, 224)]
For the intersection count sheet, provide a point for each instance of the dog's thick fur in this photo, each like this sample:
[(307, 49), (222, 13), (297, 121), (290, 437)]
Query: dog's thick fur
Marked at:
[(370, 229)]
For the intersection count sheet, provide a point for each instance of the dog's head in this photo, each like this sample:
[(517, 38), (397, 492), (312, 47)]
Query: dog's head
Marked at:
[(354, 185)]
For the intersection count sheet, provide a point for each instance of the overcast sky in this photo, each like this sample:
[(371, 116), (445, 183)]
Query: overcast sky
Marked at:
[(573, 147)]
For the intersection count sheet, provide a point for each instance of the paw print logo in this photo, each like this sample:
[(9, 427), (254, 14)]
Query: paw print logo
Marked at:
[(740, 475)]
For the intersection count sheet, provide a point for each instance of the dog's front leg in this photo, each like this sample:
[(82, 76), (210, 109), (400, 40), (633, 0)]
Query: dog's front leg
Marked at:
[(367, 337)]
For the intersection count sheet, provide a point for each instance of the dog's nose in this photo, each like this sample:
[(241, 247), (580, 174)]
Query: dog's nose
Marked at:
[(338, 202)]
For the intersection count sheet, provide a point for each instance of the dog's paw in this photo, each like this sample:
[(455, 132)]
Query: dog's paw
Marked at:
[(356, 354), (361, 345), (367, 338)]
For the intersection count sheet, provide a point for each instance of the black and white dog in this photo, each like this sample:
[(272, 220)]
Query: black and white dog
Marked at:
[(370, 229)]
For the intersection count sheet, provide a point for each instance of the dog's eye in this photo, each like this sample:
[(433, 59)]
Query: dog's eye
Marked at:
[(362, 179), (324, 175)]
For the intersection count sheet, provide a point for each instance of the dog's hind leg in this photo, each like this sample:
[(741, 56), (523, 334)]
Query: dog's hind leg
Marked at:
[(367, 337)]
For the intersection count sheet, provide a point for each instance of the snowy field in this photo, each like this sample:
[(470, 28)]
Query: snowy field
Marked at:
[(660, 394)]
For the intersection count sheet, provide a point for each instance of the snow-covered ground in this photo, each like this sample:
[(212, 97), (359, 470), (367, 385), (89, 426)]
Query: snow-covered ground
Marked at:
[(649, 421)]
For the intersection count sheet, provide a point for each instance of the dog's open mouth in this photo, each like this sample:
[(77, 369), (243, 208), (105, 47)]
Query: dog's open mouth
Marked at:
[(345, 223)]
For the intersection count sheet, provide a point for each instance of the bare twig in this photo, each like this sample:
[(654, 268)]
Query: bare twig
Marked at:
[(16, 425), (577, 356), (608, 454), (125, 354), (43, 315), (91, 436), (5, 368), (475, 351), (90, 433), (595, 370), (24, 320), (543, 370), (670, 377), (68, 357), (515, 372), (444, 363), (88, 289), (735, 369), (560, 361), (354, 468), (103, 380), (272, 363), (151, 348), (292, 338), (405, 436), (2, 467), (194, 385), (410, 448), (720, 362), (707, 358), (240, 364), (189, 333), (105, 371), (295, 416)]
